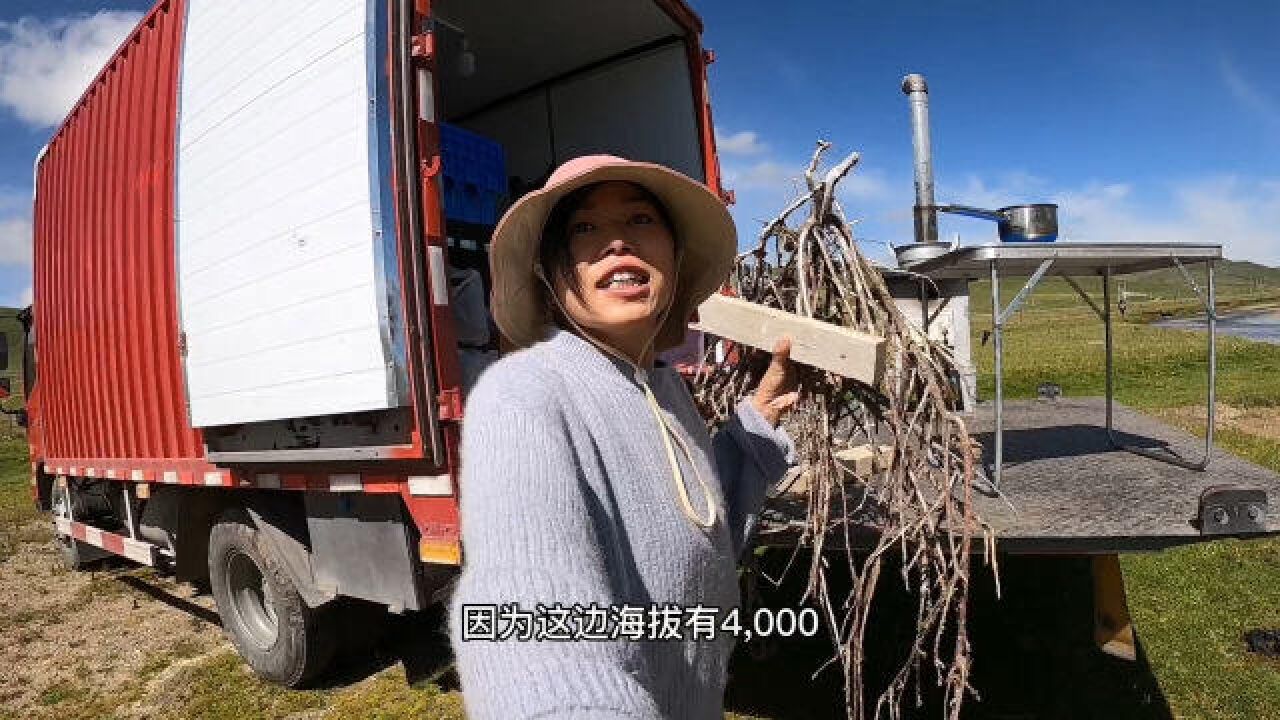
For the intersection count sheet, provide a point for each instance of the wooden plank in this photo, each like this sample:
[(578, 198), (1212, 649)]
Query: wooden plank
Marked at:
[(858, 463), (848, 353), (863, 460), (1112, 625)]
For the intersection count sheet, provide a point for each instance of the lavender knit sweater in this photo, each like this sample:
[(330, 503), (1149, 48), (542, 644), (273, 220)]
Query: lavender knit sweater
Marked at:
[(567, 497)]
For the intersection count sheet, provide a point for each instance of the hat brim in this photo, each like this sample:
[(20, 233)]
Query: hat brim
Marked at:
[(702, 223)]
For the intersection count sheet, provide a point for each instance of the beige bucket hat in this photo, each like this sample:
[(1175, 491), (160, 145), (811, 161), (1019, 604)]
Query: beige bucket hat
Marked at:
[(703, 226)]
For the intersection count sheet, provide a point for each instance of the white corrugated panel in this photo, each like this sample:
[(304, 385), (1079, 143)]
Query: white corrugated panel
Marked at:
[(284, 292)]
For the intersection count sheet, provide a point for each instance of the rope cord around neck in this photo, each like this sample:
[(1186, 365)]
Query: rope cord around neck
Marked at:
[(667, 434), (665, 430)]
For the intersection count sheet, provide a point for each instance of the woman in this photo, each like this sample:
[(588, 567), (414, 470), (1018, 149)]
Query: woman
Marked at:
[(588, 478)]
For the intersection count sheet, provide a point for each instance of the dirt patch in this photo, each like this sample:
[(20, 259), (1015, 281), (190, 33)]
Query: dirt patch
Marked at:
[(124, 642), (1263, 422), (84, 644)]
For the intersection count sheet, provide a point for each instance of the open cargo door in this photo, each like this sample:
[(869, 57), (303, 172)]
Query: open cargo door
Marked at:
[(301, 252), (286, 240)]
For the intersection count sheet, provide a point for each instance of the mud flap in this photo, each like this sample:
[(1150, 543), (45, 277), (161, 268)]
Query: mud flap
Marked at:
[(285, 533)]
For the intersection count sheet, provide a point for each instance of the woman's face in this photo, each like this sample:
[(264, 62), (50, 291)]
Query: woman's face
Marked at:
[(623, 257)]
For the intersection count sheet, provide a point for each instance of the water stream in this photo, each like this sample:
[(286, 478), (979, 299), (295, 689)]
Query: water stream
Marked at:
[(1257, 325)]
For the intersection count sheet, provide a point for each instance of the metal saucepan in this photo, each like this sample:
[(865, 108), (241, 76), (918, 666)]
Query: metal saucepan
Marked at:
[(1018, 223)]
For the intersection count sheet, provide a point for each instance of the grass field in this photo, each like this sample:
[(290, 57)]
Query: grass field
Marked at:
[(1191, 605)]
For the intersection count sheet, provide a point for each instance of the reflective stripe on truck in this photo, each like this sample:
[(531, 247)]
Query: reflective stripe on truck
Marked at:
[(438, 485), (135, 550)]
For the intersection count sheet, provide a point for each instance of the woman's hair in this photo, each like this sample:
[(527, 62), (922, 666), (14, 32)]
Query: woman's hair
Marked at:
[(553, 250)]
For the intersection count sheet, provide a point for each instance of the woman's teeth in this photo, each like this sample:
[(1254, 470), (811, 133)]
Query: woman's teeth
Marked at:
[(625, 279)]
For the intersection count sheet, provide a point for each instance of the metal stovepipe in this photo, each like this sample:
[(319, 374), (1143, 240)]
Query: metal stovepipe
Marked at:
[(926, 214)]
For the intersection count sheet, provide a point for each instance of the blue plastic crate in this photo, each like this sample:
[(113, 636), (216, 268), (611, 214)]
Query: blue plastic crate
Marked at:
[(475, 175)]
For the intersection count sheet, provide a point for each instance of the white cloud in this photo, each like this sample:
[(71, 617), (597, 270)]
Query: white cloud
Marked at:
[(863, 186), (1241, 214), (745, 142), (15, 241), (1007, 188), (15, 227), (1248, 94), (46, 64), (765, 187), (11, 297), (861, 183), (765, 174)]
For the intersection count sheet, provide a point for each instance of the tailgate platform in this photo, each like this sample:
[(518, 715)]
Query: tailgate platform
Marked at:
[(1067, 490)]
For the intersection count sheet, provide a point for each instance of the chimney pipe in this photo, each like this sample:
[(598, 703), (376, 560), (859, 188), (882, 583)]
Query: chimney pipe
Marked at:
[(926, 215)]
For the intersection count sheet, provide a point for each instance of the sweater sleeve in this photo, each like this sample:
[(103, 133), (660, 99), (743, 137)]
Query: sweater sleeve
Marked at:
[(528, 537), (751, 456)]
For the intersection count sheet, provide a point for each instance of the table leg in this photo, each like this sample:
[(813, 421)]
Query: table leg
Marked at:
[(998, 318), (1211, 318), (1109, 344), (1209, 301), (997, 333)]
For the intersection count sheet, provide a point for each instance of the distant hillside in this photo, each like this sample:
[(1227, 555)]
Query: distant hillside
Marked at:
[(1227, 274), (1234, 279)]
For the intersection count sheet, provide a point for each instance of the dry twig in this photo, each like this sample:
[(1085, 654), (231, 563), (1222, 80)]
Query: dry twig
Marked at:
[(918, 506)]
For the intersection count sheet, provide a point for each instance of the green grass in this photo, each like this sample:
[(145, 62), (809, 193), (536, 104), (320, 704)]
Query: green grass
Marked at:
[(221, 687), (1155, 367), (389, 697), (1191, 605), (15, 476), (17, 509), (59, 693)]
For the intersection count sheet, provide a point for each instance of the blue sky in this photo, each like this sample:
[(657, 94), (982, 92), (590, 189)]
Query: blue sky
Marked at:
[(1143, 121), (1148, 122)]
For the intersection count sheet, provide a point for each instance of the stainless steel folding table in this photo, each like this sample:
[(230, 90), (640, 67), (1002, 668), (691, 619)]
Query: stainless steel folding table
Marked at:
[(1070, 261)]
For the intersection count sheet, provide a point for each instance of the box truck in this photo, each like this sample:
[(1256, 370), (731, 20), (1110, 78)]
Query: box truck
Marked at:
[(245, 367)]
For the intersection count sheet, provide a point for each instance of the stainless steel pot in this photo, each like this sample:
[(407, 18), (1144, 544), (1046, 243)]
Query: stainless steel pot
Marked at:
[(1018, 223)]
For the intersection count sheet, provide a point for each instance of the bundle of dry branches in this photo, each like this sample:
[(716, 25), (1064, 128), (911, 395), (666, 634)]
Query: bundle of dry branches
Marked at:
[(915, 503)]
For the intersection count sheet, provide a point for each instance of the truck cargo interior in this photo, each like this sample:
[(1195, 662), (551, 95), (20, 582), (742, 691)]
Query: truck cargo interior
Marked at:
[(566, 77), (541, 83), (553, 80)]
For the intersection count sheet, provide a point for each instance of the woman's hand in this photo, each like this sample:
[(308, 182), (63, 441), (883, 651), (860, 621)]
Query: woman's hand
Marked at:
[(777, 392)]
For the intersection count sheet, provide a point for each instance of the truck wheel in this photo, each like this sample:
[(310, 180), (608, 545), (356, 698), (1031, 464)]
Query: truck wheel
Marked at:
[(76, 554), (282, 639)]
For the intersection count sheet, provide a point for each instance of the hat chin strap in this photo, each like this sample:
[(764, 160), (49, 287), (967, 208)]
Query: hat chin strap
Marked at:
[(642, 379)]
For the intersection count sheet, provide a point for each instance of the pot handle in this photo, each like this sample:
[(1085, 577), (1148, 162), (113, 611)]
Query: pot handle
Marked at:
[(993, 215)]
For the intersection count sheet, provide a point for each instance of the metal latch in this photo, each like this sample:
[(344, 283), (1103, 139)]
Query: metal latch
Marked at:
[(423, 47), (1232, 510), (450, 405)]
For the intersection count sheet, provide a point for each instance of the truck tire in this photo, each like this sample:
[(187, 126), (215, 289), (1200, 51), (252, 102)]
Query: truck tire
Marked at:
[(282, 639), (76, 554)]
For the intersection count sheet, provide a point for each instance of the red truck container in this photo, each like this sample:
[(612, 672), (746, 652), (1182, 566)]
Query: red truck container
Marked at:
[(247, 367)]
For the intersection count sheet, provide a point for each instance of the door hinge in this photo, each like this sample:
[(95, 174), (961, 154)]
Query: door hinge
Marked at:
[(450, 403), (182, 344)]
